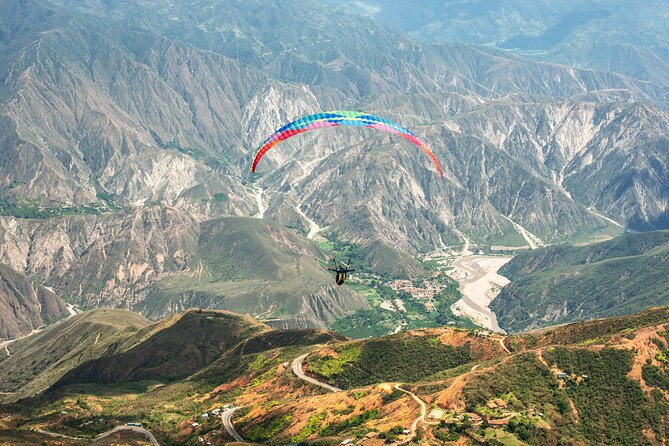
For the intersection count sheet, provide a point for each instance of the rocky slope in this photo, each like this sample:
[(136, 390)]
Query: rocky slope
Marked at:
[(621, 36), (174, 261), (26, 305)]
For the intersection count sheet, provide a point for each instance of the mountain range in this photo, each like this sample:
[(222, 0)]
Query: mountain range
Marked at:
[(620, 36), (128, 127)]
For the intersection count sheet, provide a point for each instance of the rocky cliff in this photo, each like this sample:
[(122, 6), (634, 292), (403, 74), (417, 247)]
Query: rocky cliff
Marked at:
[(26, 305)]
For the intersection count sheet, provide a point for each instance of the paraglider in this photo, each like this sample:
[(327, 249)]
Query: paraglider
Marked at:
[(340, 270), (338, 119)]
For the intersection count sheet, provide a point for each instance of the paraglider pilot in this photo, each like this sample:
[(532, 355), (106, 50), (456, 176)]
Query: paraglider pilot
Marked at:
[(340, 271)]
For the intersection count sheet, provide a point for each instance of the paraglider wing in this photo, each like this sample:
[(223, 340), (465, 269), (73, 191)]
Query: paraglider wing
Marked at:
[(337, 119)]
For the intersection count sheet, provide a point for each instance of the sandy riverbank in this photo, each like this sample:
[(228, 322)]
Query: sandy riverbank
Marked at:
[(479, 284)]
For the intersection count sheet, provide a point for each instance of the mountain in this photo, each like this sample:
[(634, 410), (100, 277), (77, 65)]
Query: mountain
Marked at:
[(257, 267), (620, 36), (38, 361), (25, 305), (545, 387), (128, 127), (173, 260), (565, 283), (173, 349), (409, 356), (117, 346)]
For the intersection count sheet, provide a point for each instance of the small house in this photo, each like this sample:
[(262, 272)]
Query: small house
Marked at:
[(473, 417), (500, 402), (502, 422)]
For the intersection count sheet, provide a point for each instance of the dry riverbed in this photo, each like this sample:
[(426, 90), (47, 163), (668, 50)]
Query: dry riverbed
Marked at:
[(479, 285)]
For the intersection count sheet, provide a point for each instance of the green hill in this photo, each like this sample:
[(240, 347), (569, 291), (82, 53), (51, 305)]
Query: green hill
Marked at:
[(175, 348), (247, 264), (38, 361), (168, 374), (563, 284), (409, 356), (163, 375)]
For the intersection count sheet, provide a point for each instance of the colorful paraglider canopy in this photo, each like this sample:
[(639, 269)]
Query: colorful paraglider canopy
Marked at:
[(338, 119)]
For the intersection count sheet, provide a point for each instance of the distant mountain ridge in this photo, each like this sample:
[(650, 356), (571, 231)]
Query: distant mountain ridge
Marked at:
[(621, 36)]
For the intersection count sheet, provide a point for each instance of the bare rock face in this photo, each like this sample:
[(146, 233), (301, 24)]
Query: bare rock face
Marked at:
[(101, 259), (25, 305)]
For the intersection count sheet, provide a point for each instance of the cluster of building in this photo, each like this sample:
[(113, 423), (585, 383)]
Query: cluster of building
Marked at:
[(423, 293)]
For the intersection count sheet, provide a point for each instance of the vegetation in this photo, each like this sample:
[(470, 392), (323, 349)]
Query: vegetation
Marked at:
[(612, 408), (614, 278), (379, 321), (394, 358), (312, 426), (655, 376), (268, 430), (523, 376), (351, 422), (34, 210), (591, 331)]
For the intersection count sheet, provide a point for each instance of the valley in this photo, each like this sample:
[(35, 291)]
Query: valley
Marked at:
[(496, 174)]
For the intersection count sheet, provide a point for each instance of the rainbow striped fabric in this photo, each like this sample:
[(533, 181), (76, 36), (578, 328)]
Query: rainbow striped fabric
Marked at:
[(338, 119)]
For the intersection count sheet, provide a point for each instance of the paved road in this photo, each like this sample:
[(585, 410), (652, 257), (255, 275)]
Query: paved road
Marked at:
[(139, 430), (226, 417), (297, 370)]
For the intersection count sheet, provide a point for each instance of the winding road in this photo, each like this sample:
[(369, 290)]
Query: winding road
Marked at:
[(420, 419), (123, 427), (226, 417), (503, 344), (137, 429), (297, 370)]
